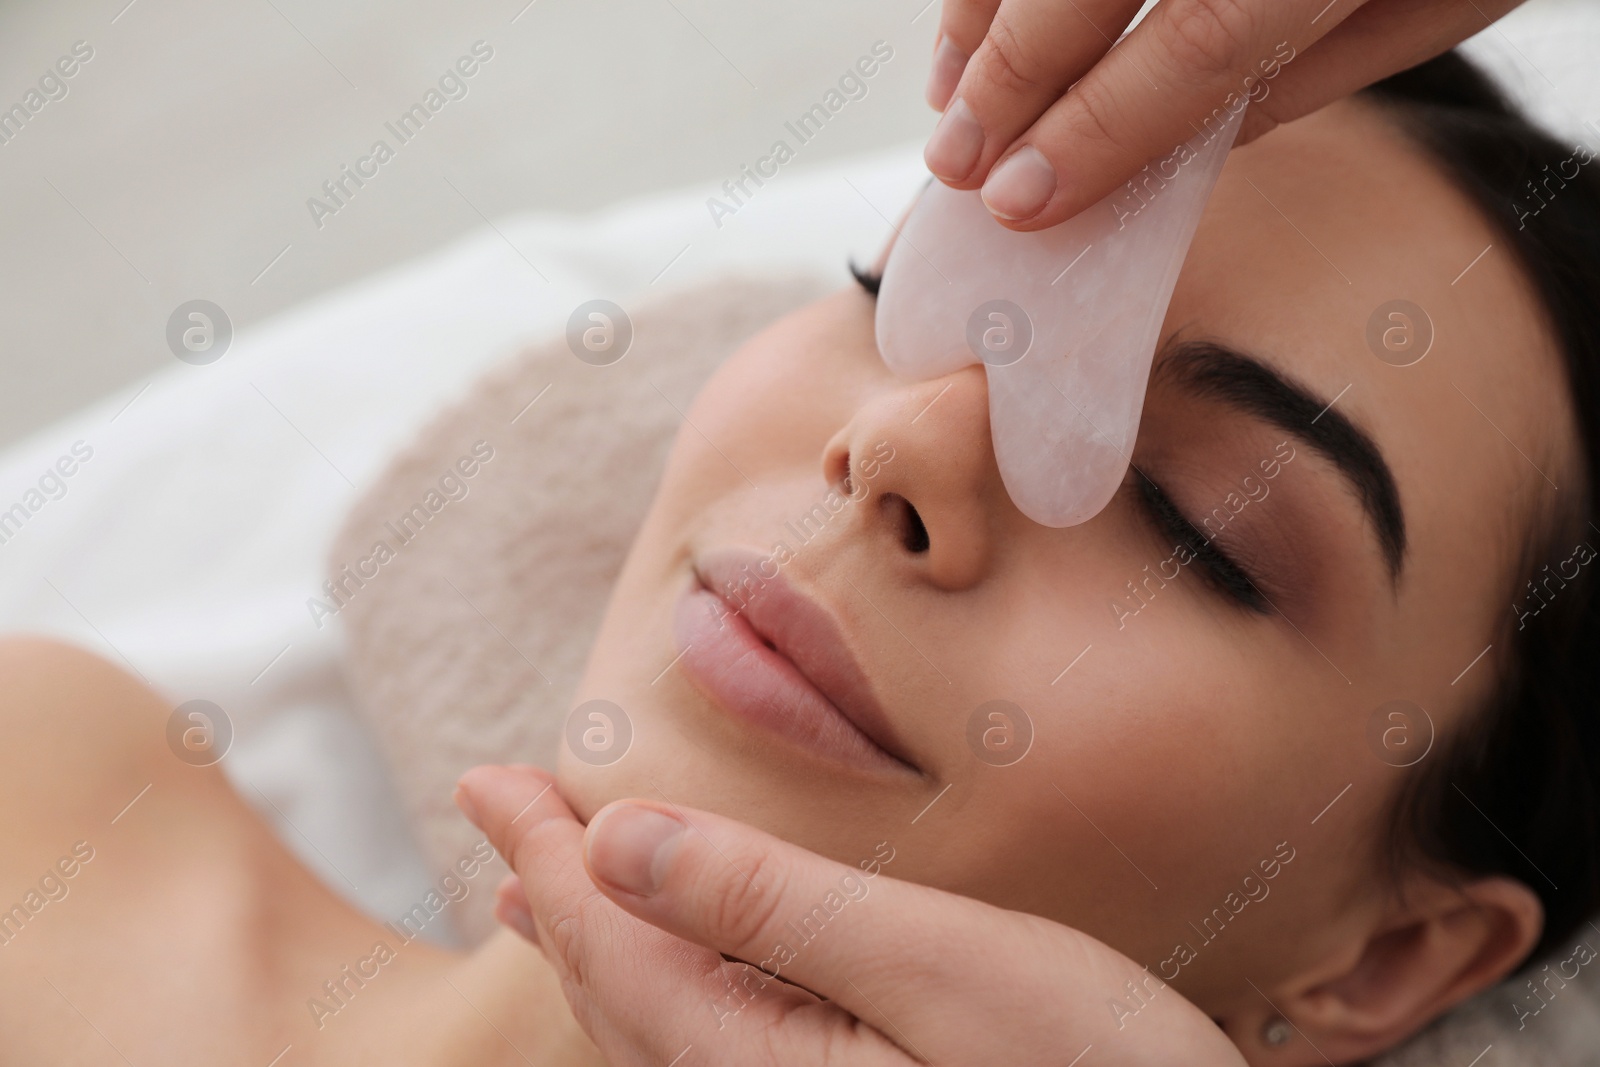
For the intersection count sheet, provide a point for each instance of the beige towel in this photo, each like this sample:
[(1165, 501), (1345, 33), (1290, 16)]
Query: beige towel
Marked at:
[(467, 640)]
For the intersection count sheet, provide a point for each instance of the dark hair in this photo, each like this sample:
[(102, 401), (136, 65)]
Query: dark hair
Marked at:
[(1515, 790)]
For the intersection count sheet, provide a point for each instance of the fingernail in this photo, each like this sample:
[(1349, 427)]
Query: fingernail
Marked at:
[(956, 143), (1021, 185), (463, 801), (948, 63), (631, 846)]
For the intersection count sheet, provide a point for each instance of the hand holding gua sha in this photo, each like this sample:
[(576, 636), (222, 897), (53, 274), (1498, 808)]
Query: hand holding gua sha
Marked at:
[(1065, 320)]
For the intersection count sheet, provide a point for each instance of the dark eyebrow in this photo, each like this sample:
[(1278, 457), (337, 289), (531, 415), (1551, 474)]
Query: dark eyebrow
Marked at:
[(1210, 369)]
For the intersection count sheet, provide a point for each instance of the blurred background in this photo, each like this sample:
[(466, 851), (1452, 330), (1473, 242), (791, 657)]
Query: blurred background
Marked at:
[(179, 163)]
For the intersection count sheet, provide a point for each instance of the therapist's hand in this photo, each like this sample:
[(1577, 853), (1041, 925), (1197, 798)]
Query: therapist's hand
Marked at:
[(1043, 152), (638, 913)]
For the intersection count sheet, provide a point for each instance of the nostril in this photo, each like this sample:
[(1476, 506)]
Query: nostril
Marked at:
[(836, 467), (908, 524)]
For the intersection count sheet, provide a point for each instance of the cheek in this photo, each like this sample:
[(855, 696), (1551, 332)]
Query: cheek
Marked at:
[(762, 420), (768, 412), (1160, 753), (792, 387)]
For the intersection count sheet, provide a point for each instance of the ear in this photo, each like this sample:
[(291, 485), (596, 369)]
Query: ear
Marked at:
[(1437, 946)]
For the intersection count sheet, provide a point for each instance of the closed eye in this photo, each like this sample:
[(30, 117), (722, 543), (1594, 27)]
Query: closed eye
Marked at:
[(1221, 572)]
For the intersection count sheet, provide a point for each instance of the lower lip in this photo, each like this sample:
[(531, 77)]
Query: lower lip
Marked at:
[(727, 661)]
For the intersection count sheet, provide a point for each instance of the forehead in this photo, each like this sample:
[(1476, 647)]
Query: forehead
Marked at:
[(1333, 245)]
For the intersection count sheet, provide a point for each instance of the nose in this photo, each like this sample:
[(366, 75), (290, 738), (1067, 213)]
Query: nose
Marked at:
[(919, 458)]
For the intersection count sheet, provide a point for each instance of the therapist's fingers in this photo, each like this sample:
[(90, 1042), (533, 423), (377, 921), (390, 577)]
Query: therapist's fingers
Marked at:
[(529, 823), (589, 941), (890, 972), (641, 994), (860, 940), (511, 908), (511, 805), (962, 25), (1185, 63), (1027, 56), (1376, 40), (946, 978)]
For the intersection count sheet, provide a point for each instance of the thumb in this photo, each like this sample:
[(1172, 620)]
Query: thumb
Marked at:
[(893, 954), (839, 930)]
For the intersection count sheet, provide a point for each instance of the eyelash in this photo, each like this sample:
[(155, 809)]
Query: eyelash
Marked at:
[(1222, 572), (865, 278)]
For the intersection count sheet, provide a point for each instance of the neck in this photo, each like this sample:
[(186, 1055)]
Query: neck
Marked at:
[(508, 982), (500, 1004)]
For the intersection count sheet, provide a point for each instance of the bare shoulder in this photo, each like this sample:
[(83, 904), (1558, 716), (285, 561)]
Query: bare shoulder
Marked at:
[(78, 730), (147, 891)]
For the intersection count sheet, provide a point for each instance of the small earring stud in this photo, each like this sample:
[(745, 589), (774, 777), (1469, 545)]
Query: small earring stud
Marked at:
[(1275, 1032)]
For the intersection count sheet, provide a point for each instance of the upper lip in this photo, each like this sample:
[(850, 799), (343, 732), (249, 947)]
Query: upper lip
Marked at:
[(803, 632)]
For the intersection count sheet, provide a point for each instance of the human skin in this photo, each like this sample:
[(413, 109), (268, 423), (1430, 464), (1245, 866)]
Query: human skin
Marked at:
[(192, 935), (1050, 93), (1195, 739), (1191, 742)]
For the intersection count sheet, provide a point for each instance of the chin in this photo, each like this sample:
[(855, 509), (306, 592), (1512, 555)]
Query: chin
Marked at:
[(653, 768), (587, 789)]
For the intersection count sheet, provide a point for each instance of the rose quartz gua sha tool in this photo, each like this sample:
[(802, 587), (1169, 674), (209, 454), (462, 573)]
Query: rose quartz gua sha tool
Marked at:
[(1065, 320)]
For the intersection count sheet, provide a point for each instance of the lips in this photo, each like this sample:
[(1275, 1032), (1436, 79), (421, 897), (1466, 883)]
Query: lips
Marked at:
[(771, 656)]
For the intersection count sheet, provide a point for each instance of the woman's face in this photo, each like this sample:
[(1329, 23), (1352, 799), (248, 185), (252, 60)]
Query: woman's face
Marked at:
[(1204, 769)]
